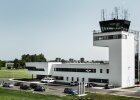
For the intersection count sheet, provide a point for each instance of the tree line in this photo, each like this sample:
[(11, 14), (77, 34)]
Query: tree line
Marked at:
[(28, 58), (20, 63)]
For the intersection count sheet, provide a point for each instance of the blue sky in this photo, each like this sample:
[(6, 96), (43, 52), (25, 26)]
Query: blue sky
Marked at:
[(56, 28)]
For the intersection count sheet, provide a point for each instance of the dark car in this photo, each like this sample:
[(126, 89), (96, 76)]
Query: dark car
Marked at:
[(25, 87), (70, 91), (18, 83), (7, 85), (91, 85), (108, 86), (74, 83), (33, 85), (39, 88)]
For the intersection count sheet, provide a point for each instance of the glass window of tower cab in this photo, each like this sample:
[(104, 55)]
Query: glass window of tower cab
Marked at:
[(114, 25)]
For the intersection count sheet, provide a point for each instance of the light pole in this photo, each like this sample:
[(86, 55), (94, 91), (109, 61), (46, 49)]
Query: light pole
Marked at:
[(13, 73)]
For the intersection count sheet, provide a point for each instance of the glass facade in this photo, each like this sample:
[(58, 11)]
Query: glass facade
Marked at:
[(34, 69)]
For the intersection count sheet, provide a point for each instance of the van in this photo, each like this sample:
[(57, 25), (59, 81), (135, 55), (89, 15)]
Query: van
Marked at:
[(47, 80)]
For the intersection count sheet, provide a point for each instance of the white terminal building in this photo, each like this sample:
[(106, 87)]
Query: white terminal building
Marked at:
[(122, 69)]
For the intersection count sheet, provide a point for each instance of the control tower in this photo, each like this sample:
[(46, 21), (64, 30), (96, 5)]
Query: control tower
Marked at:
[(123, 49)]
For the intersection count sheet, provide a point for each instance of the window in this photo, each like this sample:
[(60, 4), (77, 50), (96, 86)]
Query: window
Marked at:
[(115, 36), (107, 71), (109, 37), (119, 36), (67, 78), (83, 79), (34, 69), (101, 70), (98, 80), (77, 79), (94, 70), (76, 70), (72, 79)]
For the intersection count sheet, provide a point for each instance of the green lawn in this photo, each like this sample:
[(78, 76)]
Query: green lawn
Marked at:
[(20, 73), (6, 94)]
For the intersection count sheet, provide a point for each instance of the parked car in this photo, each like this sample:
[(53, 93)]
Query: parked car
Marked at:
[(70, 91), (25, 87), (18, 83), (74, 83), (39, 88), (33, 85), (7, 85), (47, 80), (89, 85)]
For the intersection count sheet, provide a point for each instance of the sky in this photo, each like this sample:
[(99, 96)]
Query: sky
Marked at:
[(57, 28)]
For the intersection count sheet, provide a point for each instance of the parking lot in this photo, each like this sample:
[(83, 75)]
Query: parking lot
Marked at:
[(57, 89), (51, 89)]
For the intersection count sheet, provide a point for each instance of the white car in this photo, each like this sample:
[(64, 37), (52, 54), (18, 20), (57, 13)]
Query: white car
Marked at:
[(47, 80)]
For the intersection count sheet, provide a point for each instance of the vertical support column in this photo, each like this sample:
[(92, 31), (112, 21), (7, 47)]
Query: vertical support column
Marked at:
[(79, 89), (84, 88)]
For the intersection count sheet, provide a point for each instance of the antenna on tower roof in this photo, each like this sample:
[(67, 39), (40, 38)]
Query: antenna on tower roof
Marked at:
[(122, 14), (112, 15), (103, 14), (116, 12), (125, 14)]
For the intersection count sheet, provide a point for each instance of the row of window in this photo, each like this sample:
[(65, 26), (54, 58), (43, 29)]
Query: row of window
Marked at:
[(75, 70), (79, 70), (83, 79), (110, 29), (108, 37), (34, 69), (89, 80), (72, 79), (98, 80)]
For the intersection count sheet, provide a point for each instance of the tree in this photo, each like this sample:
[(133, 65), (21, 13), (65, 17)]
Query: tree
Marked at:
[(63, 61), (2, 64), (41, 58), (16, 64), (22, 64)]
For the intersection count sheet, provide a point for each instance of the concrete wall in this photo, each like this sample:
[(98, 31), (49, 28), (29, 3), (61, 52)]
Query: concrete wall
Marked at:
[(128, 61), (81, 75), (121, 57)]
